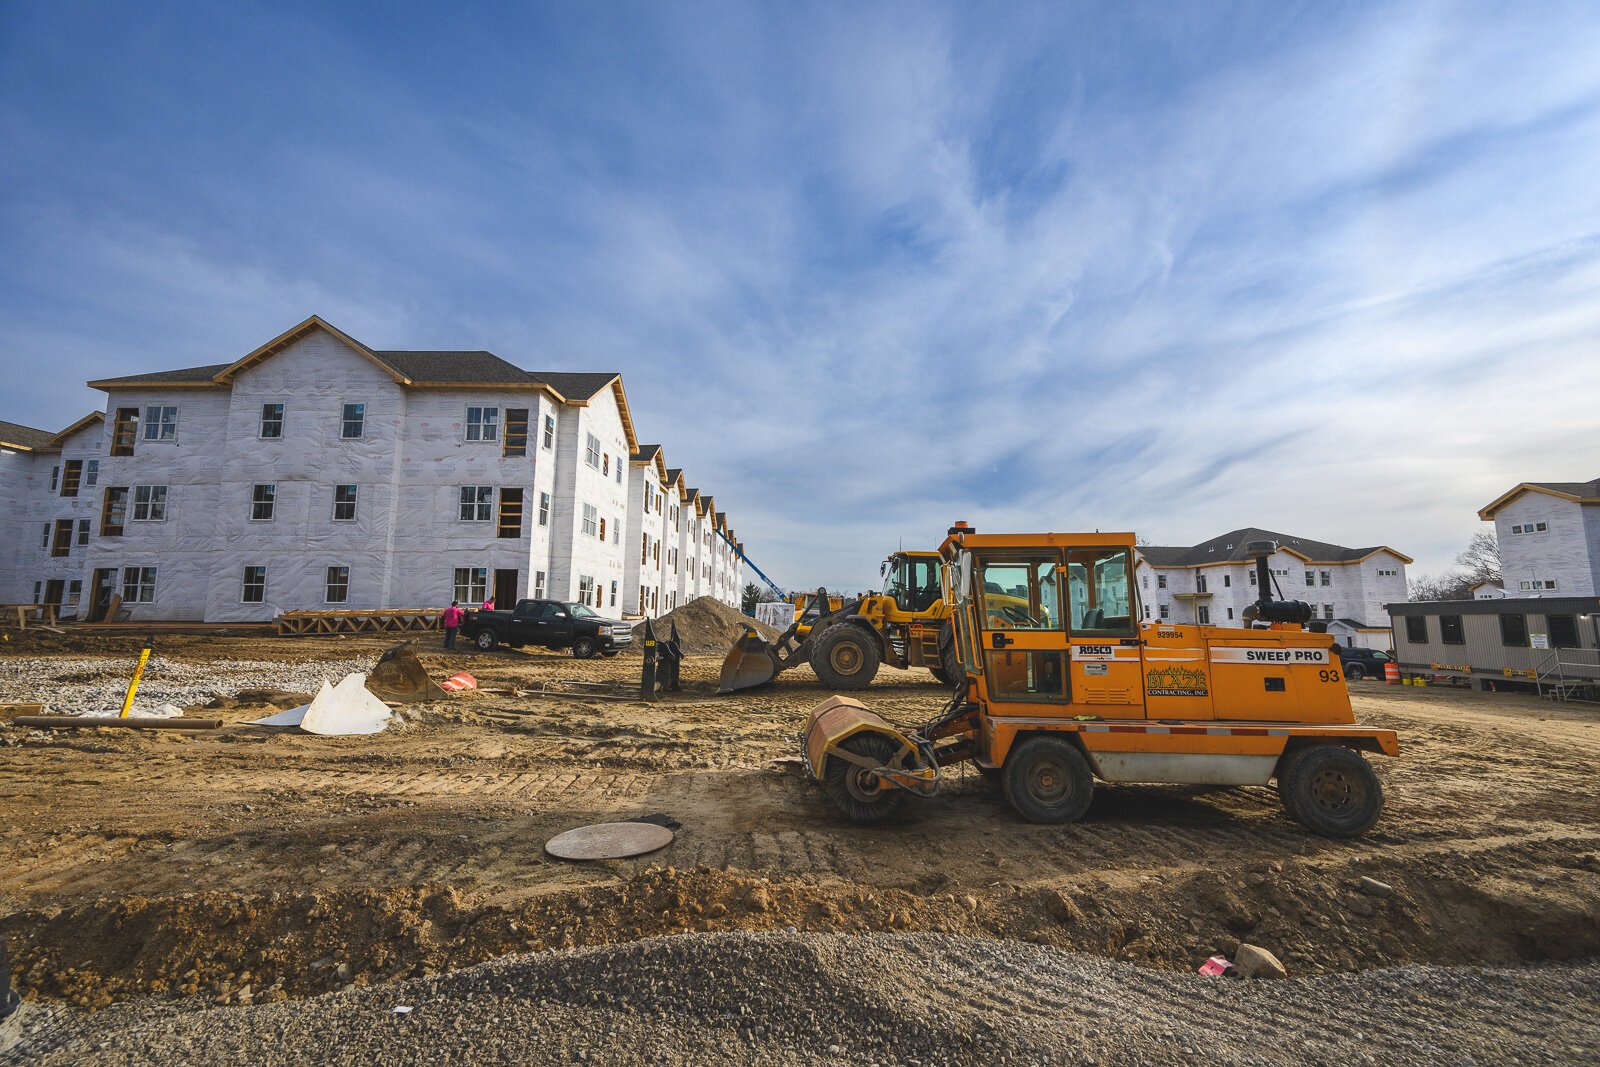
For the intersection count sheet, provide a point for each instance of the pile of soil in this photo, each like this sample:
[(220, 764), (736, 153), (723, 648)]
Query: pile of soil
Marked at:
[(709, 625)]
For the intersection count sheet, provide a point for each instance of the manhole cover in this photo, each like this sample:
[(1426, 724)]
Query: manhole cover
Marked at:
[(609, 841)]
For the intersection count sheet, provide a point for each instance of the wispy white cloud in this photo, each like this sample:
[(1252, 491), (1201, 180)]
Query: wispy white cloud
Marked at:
[(1327, 271)]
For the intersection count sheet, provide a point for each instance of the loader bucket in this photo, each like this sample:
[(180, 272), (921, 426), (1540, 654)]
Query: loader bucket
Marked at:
[(749, 663)]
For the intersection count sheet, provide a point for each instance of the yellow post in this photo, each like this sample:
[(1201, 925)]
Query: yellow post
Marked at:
[(138, 672)]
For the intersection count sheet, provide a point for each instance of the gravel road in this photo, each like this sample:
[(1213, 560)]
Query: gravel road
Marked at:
[(805, 998)]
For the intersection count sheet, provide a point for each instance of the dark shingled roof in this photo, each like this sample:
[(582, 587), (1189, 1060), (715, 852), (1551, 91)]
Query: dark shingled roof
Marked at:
[(674, 473), (646, 453), (1586, 489), (14, 433), (187, 375), (1230, 547), (455, 368), (574, 385), (423, 368), (467, 368)]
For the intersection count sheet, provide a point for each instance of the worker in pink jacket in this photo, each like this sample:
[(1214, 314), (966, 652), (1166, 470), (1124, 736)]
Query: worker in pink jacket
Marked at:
[(451, 621)]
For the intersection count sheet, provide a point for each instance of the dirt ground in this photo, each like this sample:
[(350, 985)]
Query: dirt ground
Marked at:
[(250, 864)]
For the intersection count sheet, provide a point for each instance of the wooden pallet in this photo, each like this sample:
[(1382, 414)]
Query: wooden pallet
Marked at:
[(392, 620)]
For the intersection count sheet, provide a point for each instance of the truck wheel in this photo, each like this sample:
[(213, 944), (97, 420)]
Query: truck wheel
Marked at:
[(846, 657), (1046, 779), (486, 640), (1355, 672), (854, 791), (949, 656), (584, 648), (1331, 790)]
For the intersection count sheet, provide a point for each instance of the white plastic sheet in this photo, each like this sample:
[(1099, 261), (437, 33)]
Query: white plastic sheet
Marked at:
[(291, 717), (346, 709)]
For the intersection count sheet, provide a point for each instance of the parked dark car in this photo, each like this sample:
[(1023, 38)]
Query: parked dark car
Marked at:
[(549, 624), (1359, 663)]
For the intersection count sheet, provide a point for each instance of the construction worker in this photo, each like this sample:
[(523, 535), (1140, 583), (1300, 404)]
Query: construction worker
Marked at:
[(488, 605), (451, 621)]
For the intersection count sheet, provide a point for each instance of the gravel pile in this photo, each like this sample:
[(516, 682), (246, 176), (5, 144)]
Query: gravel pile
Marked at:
[(880, 999), (98, 683)]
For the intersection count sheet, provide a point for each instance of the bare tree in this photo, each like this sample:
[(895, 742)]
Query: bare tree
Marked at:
[(1481, 560), (1478, 562), (1451, 585)]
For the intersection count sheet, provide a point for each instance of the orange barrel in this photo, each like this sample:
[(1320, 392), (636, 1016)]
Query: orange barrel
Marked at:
[(1391, 673)]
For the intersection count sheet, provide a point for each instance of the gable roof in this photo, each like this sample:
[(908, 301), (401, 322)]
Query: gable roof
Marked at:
[(1579, 492), (1230, 548), (88, 420), (645, 453), (20, 438), (408, 367), (574, 385)]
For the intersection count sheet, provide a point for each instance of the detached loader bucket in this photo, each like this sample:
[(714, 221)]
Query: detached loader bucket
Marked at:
[(749, 663)]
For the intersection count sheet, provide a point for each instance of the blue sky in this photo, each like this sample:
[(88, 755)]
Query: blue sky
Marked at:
[(866, 269)]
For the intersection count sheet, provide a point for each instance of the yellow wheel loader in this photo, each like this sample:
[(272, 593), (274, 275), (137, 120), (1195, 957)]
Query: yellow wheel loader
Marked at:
[(1075, 687), (845, 641)]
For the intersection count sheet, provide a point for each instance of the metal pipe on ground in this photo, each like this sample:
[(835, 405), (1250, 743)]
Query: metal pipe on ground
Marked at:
[(83, 722)]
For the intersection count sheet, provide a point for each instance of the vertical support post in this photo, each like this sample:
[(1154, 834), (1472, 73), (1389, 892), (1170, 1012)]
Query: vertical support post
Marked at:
[(138, 672), (647, 681)]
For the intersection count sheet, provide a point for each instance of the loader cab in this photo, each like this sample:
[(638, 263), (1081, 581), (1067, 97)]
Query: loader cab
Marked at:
[(911, 580)]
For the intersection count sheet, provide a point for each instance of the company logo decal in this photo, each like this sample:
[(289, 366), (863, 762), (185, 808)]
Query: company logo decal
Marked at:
[(1175, 682)]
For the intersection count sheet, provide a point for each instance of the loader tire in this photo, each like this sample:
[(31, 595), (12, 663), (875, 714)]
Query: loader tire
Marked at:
[(853, 791), (846, 657), (950, 656), (1331, 790), (1046, 779)]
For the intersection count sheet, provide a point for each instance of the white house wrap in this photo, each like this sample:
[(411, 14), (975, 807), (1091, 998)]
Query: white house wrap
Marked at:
[(316, 472)]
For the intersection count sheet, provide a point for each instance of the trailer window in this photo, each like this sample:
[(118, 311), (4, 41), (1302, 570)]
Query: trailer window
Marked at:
[(1020, 594), (1450, 630), (1563, 631), (1100, 585)]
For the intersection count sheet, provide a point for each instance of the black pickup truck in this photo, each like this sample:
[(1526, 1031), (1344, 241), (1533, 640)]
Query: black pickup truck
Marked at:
[(1359, 663), (550, 624)]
